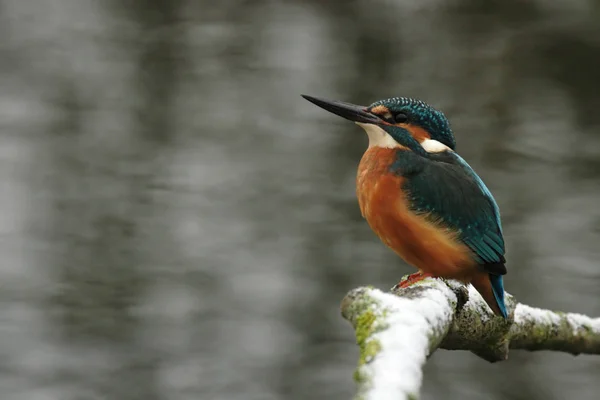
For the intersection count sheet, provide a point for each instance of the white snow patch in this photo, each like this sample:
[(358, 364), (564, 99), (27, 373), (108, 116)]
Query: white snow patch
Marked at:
[(524, 314), (396, 370), (477, 303), (578, 322)]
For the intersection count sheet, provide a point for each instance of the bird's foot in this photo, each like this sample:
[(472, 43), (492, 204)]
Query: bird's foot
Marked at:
[(411, 279)]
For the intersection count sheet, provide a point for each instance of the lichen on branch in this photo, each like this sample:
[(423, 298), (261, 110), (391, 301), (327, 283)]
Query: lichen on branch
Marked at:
[(397, 331)]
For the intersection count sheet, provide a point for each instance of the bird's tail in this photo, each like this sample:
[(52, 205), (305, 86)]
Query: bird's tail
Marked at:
[(491, 288)]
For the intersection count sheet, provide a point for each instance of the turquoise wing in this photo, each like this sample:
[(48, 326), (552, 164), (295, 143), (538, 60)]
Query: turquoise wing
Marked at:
[(445, 186)]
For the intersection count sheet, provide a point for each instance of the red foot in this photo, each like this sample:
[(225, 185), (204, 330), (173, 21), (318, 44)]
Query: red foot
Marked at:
[(411, 279)]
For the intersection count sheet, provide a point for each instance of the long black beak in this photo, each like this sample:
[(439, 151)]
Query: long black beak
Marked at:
[(349, 111)]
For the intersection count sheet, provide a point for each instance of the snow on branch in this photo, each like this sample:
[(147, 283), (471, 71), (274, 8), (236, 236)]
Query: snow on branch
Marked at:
[(397, 331)]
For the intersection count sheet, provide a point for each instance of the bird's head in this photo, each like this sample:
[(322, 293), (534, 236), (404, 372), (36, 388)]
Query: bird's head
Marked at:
[(397, 122)]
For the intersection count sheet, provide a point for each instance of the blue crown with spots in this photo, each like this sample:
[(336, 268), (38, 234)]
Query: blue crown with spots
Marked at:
[(421, 114)]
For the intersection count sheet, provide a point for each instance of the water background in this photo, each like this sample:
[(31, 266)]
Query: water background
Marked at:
[(176, 222)]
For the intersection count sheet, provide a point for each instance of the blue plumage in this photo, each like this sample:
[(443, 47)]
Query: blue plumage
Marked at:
[(444, 186), (422, 114), (498, 289), (483, 187), (438, 184)]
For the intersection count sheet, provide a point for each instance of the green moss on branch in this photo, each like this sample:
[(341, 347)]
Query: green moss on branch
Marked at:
[(470, 325)]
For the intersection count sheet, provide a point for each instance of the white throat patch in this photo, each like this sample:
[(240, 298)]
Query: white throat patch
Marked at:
[(378, 137)]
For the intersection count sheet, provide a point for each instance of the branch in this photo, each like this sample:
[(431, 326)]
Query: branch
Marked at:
[(397, 331)]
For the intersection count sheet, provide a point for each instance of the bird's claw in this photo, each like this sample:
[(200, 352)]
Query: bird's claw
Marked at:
[(409, 280)]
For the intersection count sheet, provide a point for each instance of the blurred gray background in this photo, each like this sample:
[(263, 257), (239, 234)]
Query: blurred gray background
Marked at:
[(176, 222)]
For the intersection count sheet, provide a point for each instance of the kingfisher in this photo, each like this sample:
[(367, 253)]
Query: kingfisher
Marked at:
[(422, 199)]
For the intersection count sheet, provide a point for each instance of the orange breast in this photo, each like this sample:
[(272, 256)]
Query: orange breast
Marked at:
[(418, 239)]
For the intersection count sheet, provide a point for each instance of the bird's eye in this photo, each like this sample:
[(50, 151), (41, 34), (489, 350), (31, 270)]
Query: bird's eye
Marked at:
[(400, 118)]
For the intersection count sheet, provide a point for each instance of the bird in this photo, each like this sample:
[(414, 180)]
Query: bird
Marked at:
[(422, 199)]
